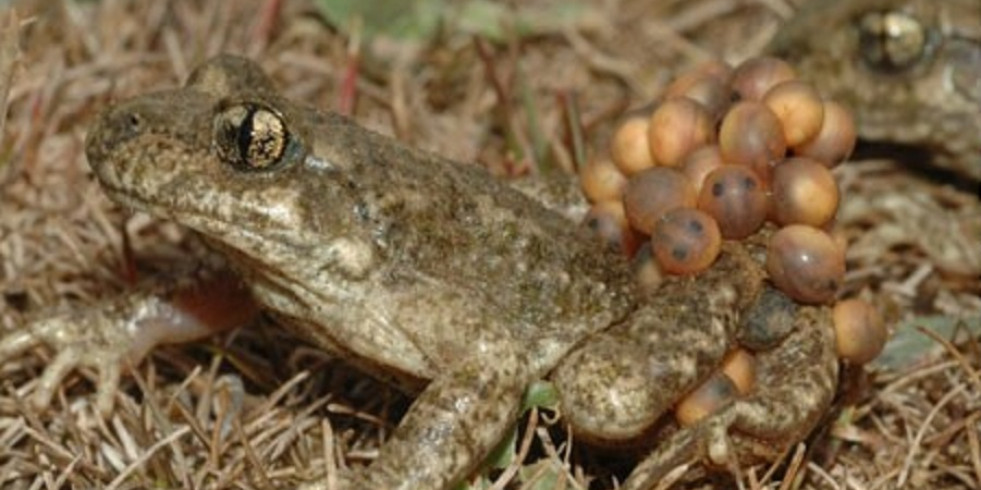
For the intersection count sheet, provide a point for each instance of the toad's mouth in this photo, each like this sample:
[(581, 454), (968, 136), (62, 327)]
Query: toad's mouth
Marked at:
[(231, 234), (267, 257)]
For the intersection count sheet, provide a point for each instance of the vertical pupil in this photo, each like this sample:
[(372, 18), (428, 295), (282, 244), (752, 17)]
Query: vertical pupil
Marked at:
[(245, 134)]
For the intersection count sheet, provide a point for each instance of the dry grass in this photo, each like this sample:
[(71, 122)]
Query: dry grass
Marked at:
[(253, 409)]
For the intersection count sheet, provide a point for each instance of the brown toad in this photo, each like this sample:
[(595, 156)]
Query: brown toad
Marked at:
[(430, 274)]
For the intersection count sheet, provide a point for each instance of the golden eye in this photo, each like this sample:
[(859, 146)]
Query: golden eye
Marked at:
[(250, 136), (892, 41)]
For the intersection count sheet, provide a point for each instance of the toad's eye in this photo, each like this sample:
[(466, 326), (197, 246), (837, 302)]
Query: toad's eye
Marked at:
[(250, 136), (892, 41)]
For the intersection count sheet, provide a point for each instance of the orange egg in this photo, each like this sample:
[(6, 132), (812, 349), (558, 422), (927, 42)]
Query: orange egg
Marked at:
[(686, 241), (800, 110), (860, 333), (835, 141), (740, 366), (608, 221), (601, 180), (653, 192), (711, 92), (751, 135), (677, 127), (734, 196), (707, 398), (805, 263), (701, 162), (755, 76), (629, 148), (804, 192)]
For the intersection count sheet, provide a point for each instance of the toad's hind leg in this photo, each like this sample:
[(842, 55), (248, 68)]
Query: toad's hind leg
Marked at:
[(796, 384), (613, 388)]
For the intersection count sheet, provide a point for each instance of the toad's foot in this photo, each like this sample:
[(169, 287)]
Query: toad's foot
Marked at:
[(796, 384), (120, 332)]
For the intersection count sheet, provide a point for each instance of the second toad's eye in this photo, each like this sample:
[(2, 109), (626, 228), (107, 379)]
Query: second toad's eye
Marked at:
[(892, 41), (250, 136)]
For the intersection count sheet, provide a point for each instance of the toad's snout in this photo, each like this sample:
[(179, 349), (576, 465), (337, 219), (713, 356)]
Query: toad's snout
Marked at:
[(123, 143), (114, 129)]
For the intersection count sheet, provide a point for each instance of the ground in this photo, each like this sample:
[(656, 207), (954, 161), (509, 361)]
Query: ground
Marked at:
[(255, 408)]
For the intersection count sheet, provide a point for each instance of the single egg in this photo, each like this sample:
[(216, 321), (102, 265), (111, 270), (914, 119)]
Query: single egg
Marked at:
[(803, 192), (754, 77), (651, 193), (800, 110), (739, 366), (601, 180), (751, 135), (835, 141), (709, 397), (629, 148), (734, 196), (677, 127), (860, 333), (711, 92), (805, 263), (686, 241)]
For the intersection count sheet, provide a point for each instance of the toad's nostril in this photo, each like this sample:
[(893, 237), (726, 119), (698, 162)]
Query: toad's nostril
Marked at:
[(122, 125), (115, 129), (110, 132), (134, 121), (126, 125)]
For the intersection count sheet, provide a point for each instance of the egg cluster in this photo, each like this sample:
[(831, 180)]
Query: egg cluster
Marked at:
[(740, 153)]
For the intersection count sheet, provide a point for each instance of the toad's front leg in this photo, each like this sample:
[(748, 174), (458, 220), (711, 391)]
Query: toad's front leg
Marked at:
[(118, 333), (454, 424), (796, 384)]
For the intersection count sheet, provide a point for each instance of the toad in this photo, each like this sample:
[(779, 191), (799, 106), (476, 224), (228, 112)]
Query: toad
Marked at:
[(429, 274)]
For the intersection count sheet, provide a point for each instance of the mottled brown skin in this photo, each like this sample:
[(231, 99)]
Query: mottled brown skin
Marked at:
[(430, 274), (932, 103), (796, 382), (616, 386)]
